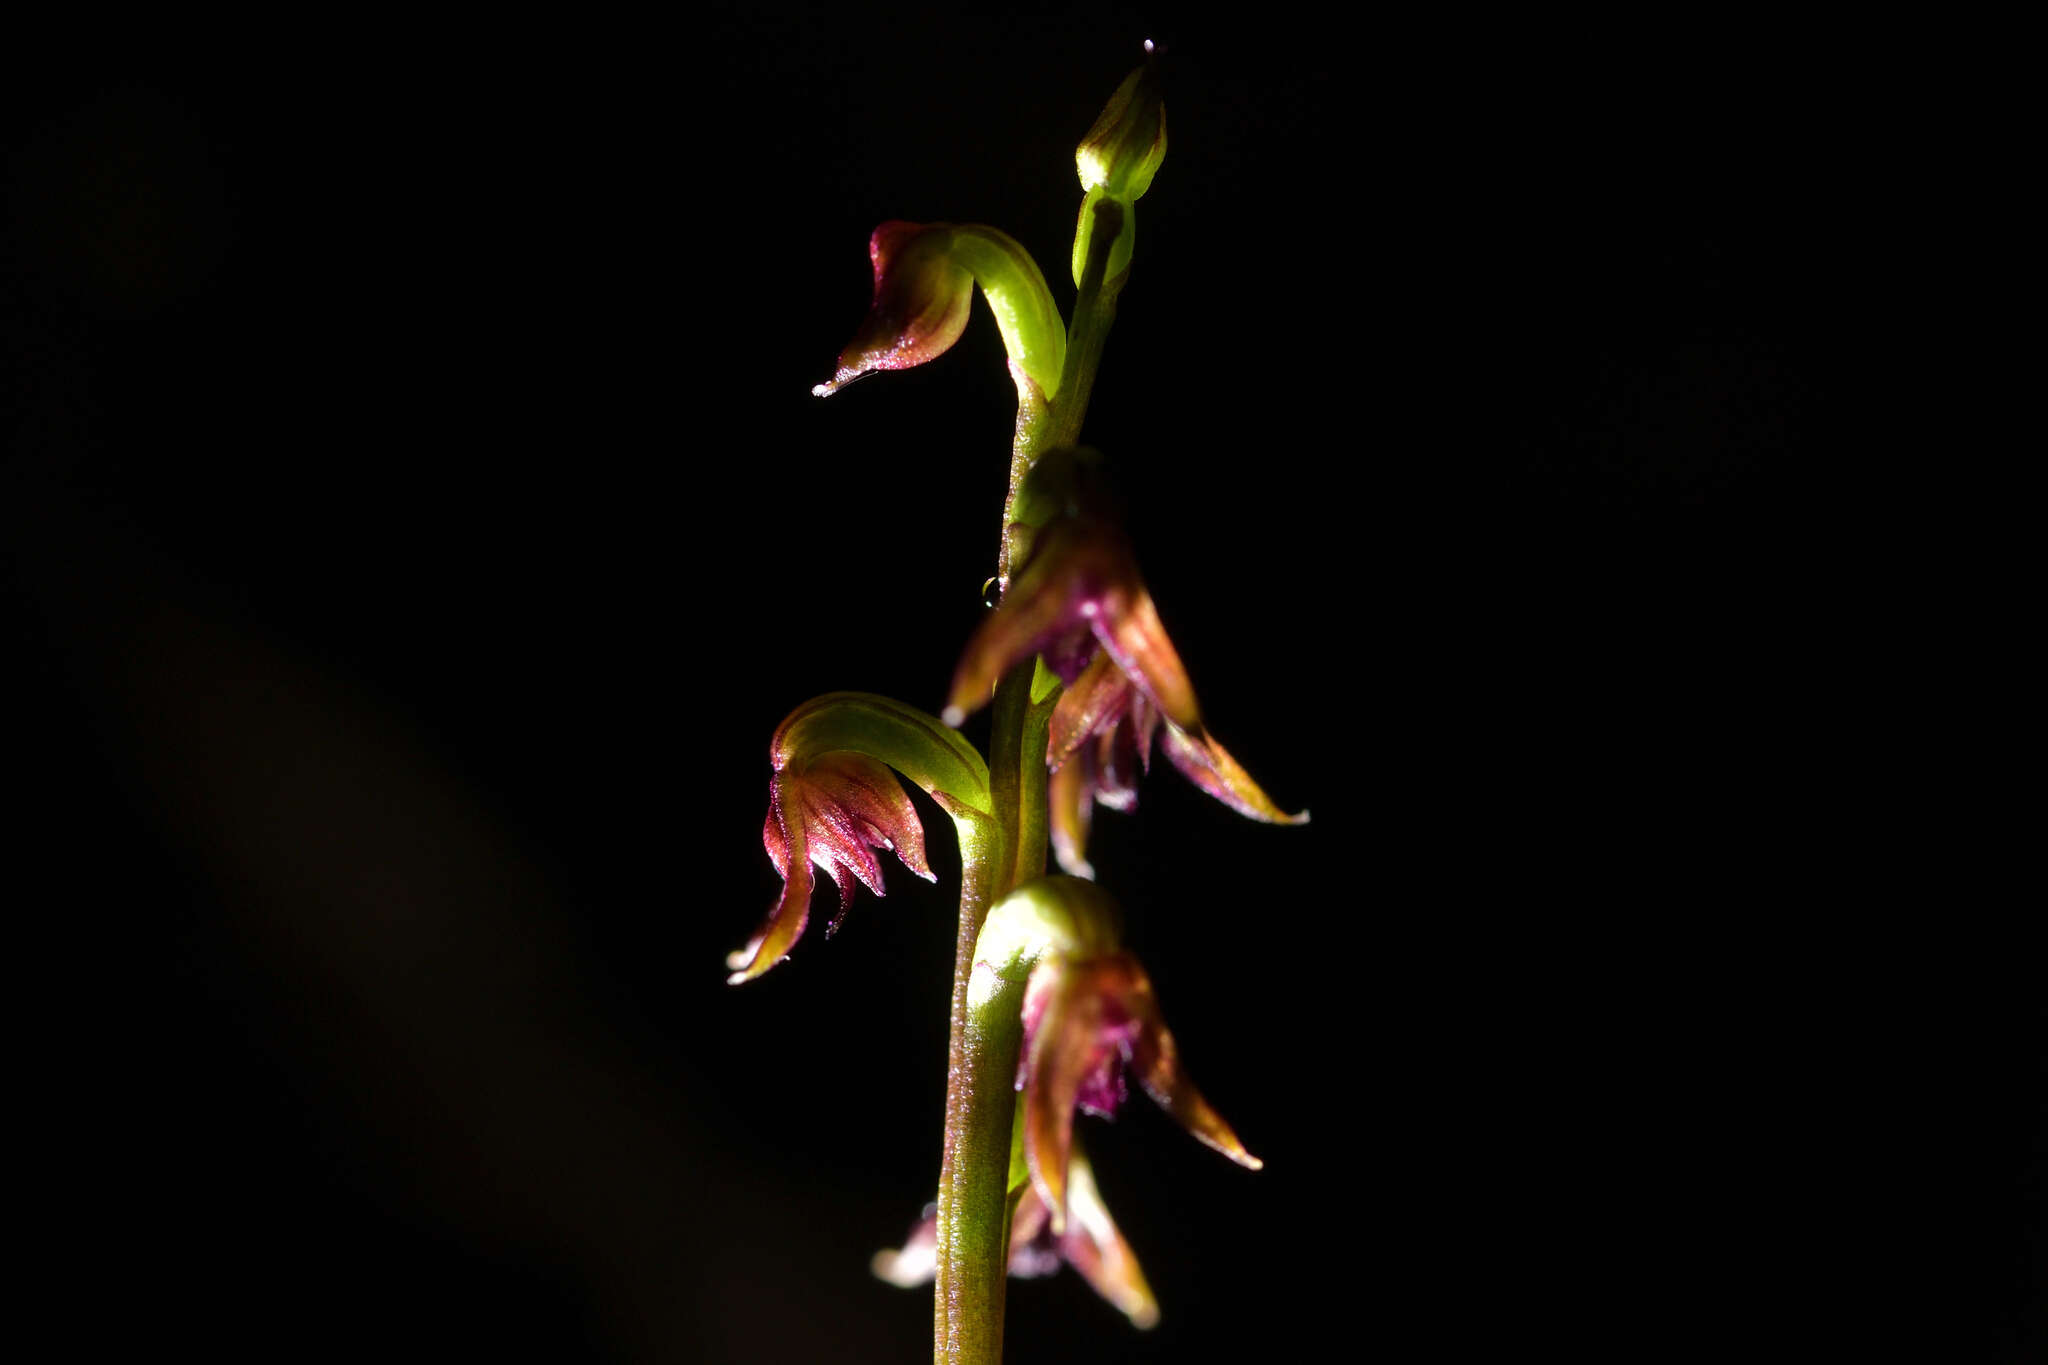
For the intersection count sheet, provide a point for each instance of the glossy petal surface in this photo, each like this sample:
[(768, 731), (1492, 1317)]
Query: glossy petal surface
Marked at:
[(925, 277), (1084, 1022), (1209, 766), (833, 802)]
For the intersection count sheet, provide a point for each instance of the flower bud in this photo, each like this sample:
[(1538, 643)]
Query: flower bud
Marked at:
[(1123, 150)]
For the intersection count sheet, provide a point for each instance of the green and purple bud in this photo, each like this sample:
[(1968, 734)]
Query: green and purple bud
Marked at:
[(832, 802), (925, 275), (1117, 161)]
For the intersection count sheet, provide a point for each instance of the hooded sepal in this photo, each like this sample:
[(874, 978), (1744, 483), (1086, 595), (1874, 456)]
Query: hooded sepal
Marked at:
[(832, 802), (925, 275)]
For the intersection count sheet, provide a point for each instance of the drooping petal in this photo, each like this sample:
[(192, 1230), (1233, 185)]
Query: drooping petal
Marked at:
[(1080, 575), (1156, 1062), (874, 807), (1209, 766), (1076, 1040), (1065, 1045), (1136, 639), (786, 918), (1091, 704), (1097, 1250), (1070, 793), (1122, 753)]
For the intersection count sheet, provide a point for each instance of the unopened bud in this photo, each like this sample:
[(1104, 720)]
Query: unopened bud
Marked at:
[(1123, 150)]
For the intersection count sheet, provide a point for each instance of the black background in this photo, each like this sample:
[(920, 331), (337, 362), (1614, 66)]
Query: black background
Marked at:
[(418, 521)]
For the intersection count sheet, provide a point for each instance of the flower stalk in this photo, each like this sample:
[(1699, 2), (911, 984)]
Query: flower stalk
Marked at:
[(974, 1208)]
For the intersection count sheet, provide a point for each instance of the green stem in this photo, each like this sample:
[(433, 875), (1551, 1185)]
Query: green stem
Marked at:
[(973, 1247), (974, 1178), (1094, 311), (981, 1072), (1042, 423)]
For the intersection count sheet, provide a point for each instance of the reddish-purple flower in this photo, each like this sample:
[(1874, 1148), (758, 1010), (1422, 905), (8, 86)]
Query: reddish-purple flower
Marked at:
[(1087, 1022), (831, 815), (1079, 604), (833, 801)]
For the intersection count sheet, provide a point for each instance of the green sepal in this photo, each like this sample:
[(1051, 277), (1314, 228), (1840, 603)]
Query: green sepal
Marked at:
[(1034, 334), (914, 743)]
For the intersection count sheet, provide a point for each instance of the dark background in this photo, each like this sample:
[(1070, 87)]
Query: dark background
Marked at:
[(417, 521)]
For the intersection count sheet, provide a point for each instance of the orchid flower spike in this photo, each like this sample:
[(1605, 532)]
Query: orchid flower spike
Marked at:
[(1089, 1016), (1079, 603), (832, 801), (925, 274)]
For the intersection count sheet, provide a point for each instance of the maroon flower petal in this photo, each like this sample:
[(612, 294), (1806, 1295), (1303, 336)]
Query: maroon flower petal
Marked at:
[(1136, 639), (1209, 766), (1070, 792), (1098, 1252), (786, 918), (1156, 1062), (1092, 703), (829, 814), (1064, 1047), (1081, 574)]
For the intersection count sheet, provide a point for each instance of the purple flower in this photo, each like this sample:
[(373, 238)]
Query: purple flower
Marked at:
[(1079, 603), (832, 815), (1088, 1022)]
